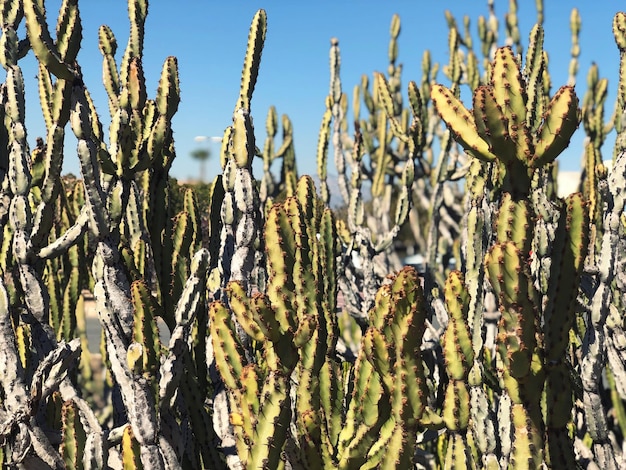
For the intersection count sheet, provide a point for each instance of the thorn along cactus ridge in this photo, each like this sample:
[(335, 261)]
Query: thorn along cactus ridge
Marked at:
[(267, 330)]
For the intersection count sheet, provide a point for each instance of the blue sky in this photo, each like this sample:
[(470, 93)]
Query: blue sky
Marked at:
[(209, 39)]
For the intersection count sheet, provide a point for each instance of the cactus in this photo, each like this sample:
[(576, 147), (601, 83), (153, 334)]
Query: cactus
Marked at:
[(500, 132), (74, 438), (270, 189), (294, 319), (390, 373), (294, 325), (112, 214), (393, 150), (459, 357), (294, 338)]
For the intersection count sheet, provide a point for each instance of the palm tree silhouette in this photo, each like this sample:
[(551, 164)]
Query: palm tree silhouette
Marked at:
[(201, 154)]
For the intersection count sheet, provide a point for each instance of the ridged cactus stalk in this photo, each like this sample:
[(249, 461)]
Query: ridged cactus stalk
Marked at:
[(459, 358), (294, 331), (240, 207), (273, 188), (507, 131)]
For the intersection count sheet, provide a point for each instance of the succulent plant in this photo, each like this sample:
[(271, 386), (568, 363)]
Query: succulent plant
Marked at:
[(271, 333)]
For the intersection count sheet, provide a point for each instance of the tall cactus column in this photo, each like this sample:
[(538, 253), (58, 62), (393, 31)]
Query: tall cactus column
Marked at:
[(595, 347), (240, 211), (518, 340), (240, 215), (459, 358), (240, 208), (508, 128), (478, 225), (569, 251)]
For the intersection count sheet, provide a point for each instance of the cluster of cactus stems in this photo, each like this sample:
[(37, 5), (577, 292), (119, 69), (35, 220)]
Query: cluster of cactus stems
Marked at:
[(296, 340)]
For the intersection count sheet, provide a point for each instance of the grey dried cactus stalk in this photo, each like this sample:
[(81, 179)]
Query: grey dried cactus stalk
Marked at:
[(241, 208), (390, 166), (28, 232), (108, 172), (594, 352), (597, 344)]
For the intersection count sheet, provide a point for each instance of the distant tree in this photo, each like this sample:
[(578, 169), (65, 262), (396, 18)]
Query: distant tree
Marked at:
[(201, 154)]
